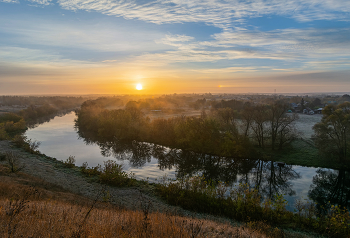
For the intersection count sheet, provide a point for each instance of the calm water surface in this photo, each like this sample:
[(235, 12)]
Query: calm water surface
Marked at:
[(59, 139)]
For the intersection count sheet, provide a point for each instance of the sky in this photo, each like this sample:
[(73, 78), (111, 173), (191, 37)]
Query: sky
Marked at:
[(174, 46)]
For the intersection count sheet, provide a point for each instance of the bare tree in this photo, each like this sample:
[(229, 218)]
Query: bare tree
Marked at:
[(281, 125), (259, 124)]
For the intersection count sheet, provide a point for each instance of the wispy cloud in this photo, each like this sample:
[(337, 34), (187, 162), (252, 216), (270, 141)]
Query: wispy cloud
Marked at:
[(34, 57), (147, 41), (285, 45), (226, 70), (10, 1), (41, 2), (215, 12), (97, 36)]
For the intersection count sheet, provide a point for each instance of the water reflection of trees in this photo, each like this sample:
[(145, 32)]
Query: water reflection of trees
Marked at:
[(270, 178), (331, 187), (40, 120), (266, 176)]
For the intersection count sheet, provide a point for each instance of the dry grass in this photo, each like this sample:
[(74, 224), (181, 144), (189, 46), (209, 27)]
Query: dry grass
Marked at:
[(57, 219), (14, 186), (31, 207)]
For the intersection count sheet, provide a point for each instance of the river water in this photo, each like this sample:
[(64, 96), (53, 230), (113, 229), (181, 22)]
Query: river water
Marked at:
[(59, 139)]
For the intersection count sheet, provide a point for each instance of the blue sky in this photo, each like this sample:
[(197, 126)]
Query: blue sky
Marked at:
[(108, 46)]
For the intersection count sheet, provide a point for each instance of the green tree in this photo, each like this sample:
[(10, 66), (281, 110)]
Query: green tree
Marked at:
[(333, 132)]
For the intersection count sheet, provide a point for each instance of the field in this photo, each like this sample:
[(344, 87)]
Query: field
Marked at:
[(14, 109), (305, 123)]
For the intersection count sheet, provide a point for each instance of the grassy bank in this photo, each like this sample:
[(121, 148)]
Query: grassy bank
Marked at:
[(245, 204), (32, 207), (303, 152), (62, 199)]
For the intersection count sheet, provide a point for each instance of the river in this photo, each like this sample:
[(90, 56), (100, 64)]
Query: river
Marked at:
[(60, 140)]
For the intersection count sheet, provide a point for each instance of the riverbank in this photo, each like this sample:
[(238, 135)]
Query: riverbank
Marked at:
[(70, 179), (303, 152), (67, 181), (32, 207)]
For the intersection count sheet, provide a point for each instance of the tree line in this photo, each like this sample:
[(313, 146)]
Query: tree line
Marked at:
[(223, 131), (16, 123)]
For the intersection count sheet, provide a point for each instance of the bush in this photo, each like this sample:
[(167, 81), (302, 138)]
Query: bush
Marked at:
[(2, 157), (70, 162), (3, 134), (20, 140), (113, 174), (244, 204), (13, 162), (11, 124), (94, 171), (28, 145)]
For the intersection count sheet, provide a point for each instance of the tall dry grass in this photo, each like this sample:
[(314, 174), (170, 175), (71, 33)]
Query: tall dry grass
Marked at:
[(31, 207), (58, 219)]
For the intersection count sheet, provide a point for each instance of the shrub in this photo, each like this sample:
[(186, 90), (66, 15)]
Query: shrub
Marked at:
[(20, 140), (2, 157), (113, 174), (244, 204), (28, 145), (33, 146), (70, 162), (13, 162), (90, 171), (3, 133)]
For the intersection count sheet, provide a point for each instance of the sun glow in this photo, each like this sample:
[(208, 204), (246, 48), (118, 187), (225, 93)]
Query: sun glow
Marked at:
[(139, 86)]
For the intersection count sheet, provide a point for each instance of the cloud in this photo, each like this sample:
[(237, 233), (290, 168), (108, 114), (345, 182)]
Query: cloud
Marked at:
[(298, 45), (97, 36), (226, 70), (41, 2), (38, 58), (9, 1), (99, 42), (220, 13)]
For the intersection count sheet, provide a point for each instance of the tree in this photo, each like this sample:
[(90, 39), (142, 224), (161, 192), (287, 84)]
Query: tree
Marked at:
[(259, 124), (247, 119), (281, 125), (333, 132), (226, 117), (316, 103), (302, 103)]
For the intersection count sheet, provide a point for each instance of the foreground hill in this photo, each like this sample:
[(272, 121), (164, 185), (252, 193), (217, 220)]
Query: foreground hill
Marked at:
[(45, 199)]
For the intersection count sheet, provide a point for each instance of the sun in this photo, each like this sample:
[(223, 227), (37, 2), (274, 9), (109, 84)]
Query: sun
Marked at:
[(139, 86)]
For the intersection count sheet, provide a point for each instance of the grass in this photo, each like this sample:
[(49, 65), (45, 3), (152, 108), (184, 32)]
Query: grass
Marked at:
[(187, 199), (302, 152), (57, 219), (31, 207), (245, 204)]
